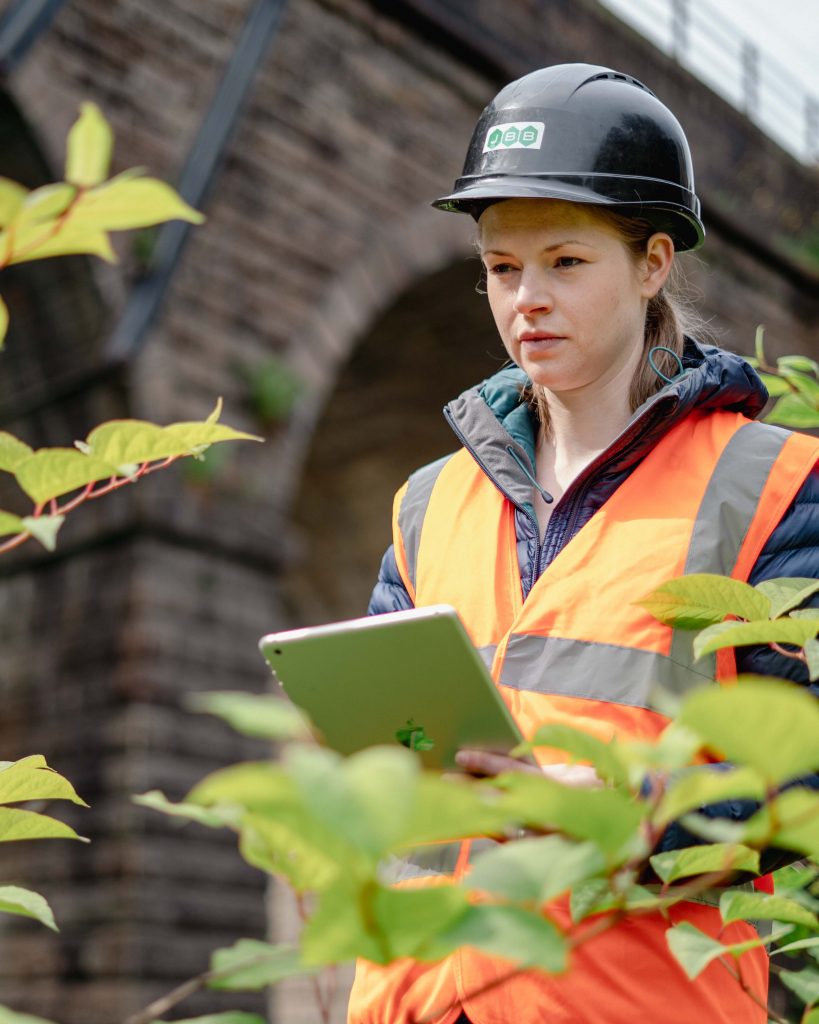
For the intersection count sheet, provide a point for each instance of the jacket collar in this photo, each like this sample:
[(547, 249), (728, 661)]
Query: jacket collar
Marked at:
[(499, 428)]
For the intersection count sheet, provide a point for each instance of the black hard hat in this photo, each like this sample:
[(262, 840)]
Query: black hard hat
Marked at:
[(586, 134)]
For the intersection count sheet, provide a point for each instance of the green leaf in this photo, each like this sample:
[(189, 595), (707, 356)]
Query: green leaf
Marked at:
[(363, 798), (702, 599), (787, 593), (811, 1017), (792, 947), (44, 529), (742, 634), (608, 817), (801, 363), (598, 895), (121, 442), (220, 816), (767, 724), (12, 197), (10, 524), (699, 786), (811, 651), (31, 779), (53, 472), (759, 345), (535, 870), (253, 965), (263, 716), (525, 938), (4, 322), (583, 747), (12, 452), (125, 203), (229, 1017), (793, 411), (757, 906), (790, 821), (8, 1016), (14, 900), (453, 808), (293, 845), (694, 950), (805, 384), (88, 150), (18, 825), (775, 385), (703, 860), (379, 923), (804, 983)]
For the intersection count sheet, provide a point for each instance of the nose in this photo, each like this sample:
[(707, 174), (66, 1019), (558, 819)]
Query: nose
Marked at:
[(533, 294)]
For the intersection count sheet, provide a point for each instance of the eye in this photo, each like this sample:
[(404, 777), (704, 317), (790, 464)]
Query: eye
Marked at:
[(566, 262), (500, 268)]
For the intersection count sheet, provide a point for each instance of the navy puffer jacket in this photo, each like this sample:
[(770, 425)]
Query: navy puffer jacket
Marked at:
[(712, 379)]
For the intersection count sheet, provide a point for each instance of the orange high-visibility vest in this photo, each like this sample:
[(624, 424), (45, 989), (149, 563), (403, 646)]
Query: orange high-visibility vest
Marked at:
[(578, 650)]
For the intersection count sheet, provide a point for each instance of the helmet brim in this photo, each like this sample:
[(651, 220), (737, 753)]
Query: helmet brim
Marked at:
[(684, 227)]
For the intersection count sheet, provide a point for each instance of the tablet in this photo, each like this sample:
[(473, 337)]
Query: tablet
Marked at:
[(410, 677)]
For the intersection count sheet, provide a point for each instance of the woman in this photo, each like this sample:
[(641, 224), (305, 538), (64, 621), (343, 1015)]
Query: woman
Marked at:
[(616, 454)]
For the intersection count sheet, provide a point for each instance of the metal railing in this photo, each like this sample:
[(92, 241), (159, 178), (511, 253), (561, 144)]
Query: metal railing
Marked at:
[(699, 36)]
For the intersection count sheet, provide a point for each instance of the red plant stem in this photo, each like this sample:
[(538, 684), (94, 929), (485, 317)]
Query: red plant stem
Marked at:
[(797, 655)]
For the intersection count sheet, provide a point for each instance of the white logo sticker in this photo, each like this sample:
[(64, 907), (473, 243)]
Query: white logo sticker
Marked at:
[(518, 135)]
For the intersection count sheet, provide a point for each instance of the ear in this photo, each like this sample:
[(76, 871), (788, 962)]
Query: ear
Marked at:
[(657, 265)]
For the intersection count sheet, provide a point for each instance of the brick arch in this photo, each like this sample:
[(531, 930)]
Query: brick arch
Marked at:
[(389, 264), (406, 349)]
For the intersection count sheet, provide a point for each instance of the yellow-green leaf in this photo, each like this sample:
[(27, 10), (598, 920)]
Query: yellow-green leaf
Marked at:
[(12, 452), (694, 950), (12, 197), (703, 860), (767, 631), (120, 442), (252, 965), (4, 321), (211, 817), (261, 715), (14, 900), (88, 151), (52, 472), (133, 203), (17, 825), (31, 779), (794, 411), (44, 204), (42, 241), (10, 524), (701, 785), (787, 592), (702, 599), (44, 529), (735, 905), (766, 724)]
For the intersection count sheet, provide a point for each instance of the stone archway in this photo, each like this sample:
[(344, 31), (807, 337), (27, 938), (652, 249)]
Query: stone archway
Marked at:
[(384, 419)]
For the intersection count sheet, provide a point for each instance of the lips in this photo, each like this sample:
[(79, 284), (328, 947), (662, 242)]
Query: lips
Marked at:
[(533, 337)]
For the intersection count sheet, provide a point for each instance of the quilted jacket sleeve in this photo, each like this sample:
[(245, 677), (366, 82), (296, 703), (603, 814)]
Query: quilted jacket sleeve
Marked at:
[(792, 550), (389, 593)]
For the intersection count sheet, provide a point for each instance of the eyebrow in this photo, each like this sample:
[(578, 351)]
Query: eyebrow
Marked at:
[(548, 248)]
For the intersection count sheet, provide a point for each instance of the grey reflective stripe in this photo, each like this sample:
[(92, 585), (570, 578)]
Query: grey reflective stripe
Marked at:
[(726, 513), (732, 496), (578, 668), (427, 861), (414, 509), (488, 654)]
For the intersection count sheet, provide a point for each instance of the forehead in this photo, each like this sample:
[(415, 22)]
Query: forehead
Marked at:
[(547, 217)]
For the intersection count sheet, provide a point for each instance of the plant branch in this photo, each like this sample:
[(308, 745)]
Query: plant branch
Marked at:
[(737, 975)]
